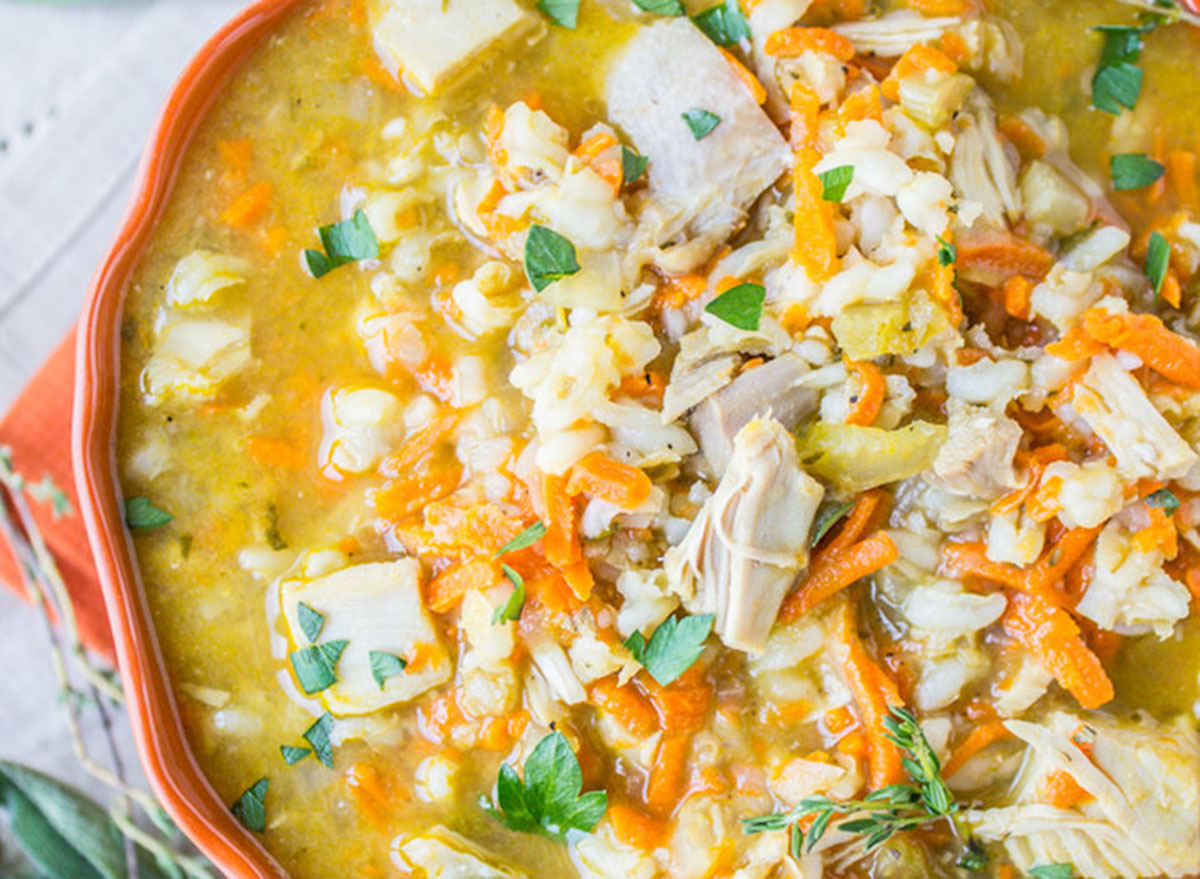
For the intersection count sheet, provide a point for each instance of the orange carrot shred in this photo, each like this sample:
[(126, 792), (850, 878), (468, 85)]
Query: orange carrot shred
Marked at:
[(870, 396), (918, 59), (665, 784), (792, 41), (1060, 789), (634, 827), (249, 207), (1054, 638), (979, 738), (1166, 352), (561, 543), (833, 571), (747, 77), (601, 476), (1017, 290)]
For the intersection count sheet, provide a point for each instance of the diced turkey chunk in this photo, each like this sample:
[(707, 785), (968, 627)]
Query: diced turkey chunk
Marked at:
[(374, 607), (440, 853), (1114, 405), (980, 168), (1142, 815), (700, 188), (200, 274), (750, 540), (977, 458), (193, 357), (770, 389), (361, 425), (431, 40), (1130, 593)]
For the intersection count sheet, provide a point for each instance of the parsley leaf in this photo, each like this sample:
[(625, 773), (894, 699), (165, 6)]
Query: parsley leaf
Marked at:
[(701, 122), (548, 257), (510, 611), (724, 23), (835, 182), (947, 253), (548, 801), (1053, 871), (974, 858), (1165, 500), (740, 306), (827, 517), (385, 665), (311, 621), (142, 515), (317, 735), (564, 13), (673, 648), (1158, 257), (633, 165), (660, 7), (315, 665), (251, 807), (344, 242), (528, 537), (293, 755), (1116, 86), (1133, 171)]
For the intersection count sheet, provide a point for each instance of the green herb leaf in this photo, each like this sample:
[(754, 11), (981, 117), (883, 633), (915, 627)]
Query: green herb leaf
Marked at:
[(386, 665), (835, 182), (740, 306), (293, 755), (317, 735), (673, 648), (1165, 500), (251, 807), (564, 13), (548, 257), (142, 515), (510, 611), (974, 857), (633, 165), (344, 242), (828, 516), (660, 7), (1116, 86), (548, 800), (1053, 871), (526, 538), (1133, 171), (947, 253), (701, 122), (311, 621), (315, 666), (724, 24), (62, 831), (1158, 257), (1122, 43)]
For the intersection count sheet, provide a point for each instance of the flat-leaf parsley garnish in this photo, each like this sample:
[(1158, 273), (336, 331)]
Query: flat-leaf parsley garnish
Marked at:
[(293, 755), (510, 611), (1158, 258), (835, 182), (311, 621), (740, 306), (548, 800), (1133, 171), (251, 807), (1165, 500), (385, 665), (344, 242), (316, 665), (141, 514), (660, 7), (633, 165), (564, 13), (701, 122), (673, 647), (317, 736), (724, 23), (548, 257)]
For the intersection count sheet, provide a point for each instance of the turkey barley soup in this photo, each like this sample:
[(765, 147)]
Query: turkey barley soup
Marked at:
[(630, 440)]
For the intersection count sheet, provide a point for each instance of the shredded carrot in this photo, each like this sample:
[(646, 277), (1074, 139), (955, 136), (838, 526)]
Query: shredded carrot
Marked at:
[(855, 525), (235, 157), (578, 576), (683, 704), (1060, 790), (979, 738), (955, 47), (816, 243), (833, 571), (1172, 290), (634, 827), (838, 720), (859, 105), (497, 225), (493, 128), (403, 496), (1017, 290), (276, 453), (1166, 352), (664, 786), (1160, 534), (590, 152), (1183, 177), (678, 290), (938, 7), (648, 386), (1003, 254), (369, 794), (874, 694), (1076, 344), (792, 41), (628, 705), (598, 475), (870, 396), (561, 543), (249, 207), (1021, 135), (1054, 638), (445, 591), (552, 592), (916, 60), (748, 79), (596, 144), (961, 560)]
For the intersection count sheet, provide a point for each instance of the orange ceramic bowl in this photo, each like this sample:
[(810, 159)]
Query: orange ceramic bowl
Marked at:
[(158, 731)]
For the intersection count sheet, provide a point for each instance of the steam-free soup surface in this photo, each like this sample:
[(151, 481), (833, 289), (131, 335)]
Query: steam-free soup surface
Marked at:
[(612, 419)]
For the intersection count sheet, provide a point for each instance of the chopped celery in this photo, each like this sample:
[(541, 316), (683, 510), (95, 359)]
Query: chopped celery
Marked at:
[(857, 458)]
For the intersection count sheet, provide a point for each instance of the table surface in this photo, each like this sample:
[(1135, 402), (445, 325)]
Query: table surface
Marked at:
[(80, 85)]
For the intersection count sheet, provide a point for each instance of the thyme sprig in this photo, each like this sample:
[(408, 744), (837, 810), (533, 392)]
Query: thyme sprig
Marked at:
[(882, 813)]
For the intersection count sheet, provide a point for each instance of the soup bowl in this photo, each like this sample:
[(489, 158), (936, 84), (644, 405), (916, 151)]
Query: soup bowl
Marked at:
[(158, 731)]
